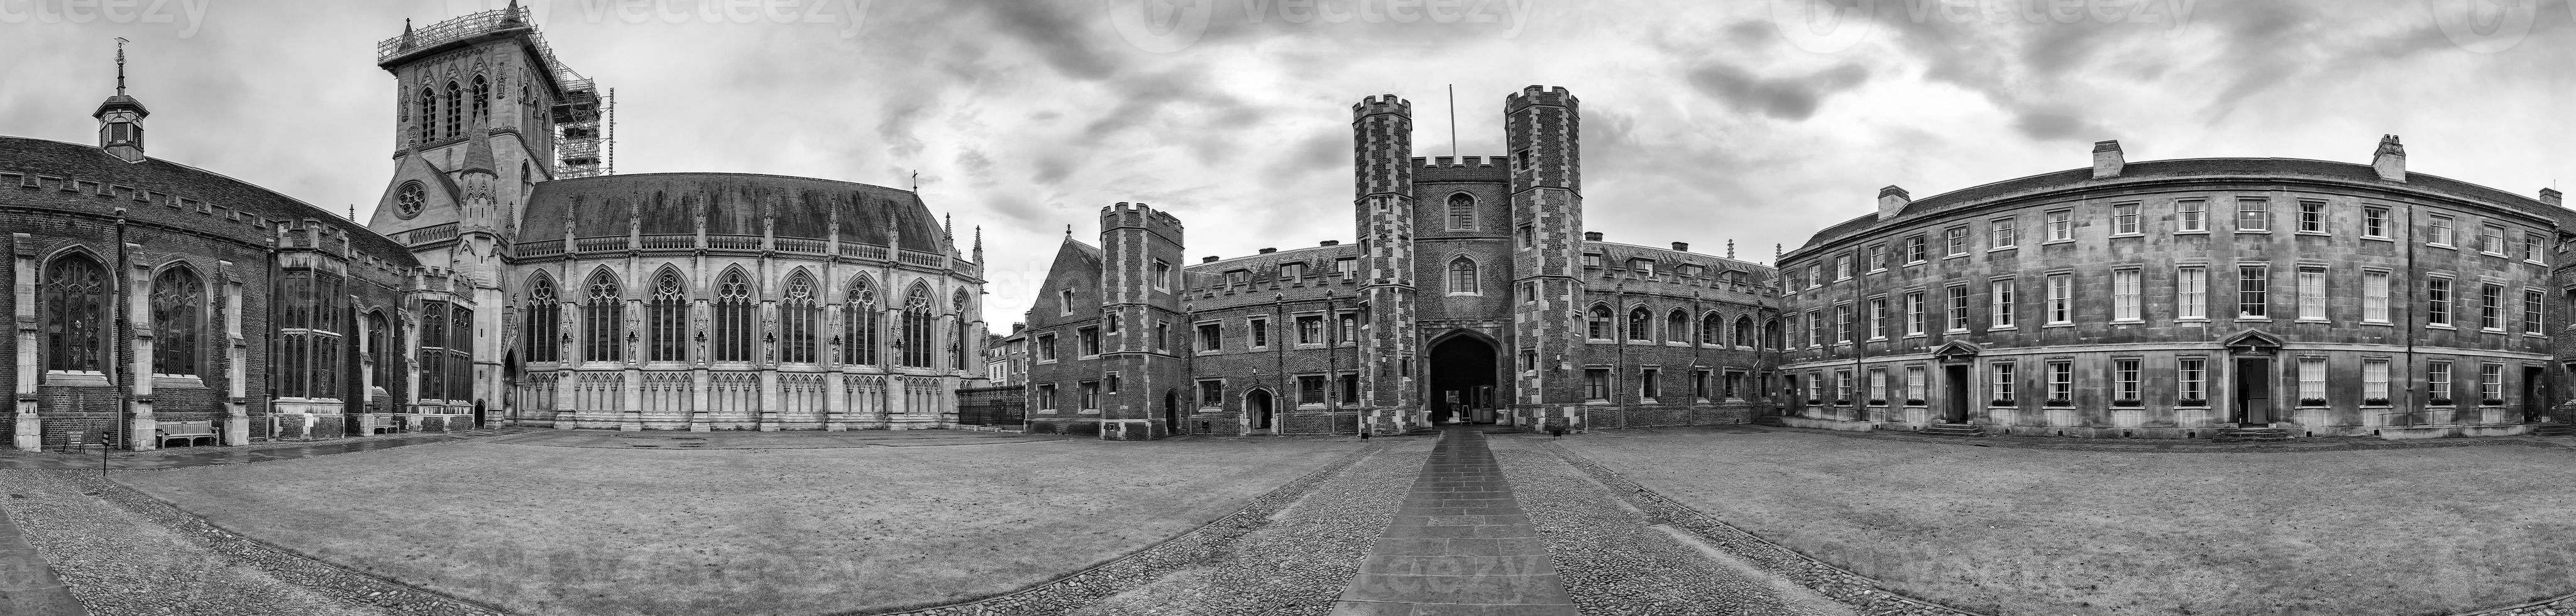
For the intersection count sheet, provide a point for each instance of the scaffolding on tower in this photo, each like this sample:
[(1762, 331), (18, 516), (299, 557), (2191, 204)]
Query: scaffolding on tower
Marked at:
[(584, 117), (585, 128)]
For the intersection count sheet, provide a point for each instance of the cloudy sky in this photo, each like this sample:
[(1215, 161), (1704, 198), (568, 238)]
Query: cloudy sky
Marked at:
[(1755, 121)]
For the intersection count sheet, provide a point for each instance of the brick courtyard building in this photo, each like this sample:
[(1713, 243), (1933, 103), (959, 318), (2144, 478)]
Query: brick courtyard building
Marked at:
[(2179, 298), (1471, 293)]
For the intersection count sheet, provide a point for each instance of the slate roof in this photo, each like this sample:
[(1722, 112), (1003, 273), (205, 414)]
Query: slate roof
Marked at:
[(734, 204), (71, 160)]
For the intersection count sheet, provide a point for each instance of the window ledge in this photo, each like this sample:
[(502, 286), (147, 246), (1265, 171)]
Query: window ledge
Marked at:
[(2318, 321), (2243, 319), (2190, 232), (2316, 233), (2121, 235), (1596, 403), (76, 379), (2057, 325), (2004, 328), (1956, 256), (2001, 248), (2491, 330), (177, 381), (2378, 238), (2255, 231), (2441, 326), (1088, 412), (2056, 242), (2127, 321), (2441, 246), (2378, 323), (2191, 319)]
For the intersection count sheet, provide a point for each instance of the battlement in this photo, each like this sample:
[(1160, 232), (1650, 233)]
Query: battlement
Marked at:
[(1382, 103), (1461, 162), (1125, 214), (1533, 96)]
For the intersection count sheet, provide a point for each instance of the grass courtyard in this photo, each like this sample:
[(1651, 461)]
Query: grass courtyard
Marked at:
[(2025, 531), (585, 530)]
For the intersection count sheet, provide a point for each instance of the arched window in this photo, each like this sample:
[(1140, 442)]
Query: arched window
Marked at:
[(959, 305), (428, 114), (380, 347), (309, 333), (798, 313), (1771, 334), (1712, 329), (668, 310), (178, 320), (859, 323), (1462, 211), (482, 99), (916, 328), (733, 319), (460, 354), (1601, 322), (1744, 332), (1641, 324), (603, 317), (455, 110), (75, 314), (540, 329), (1462, 276), (1677, 326)]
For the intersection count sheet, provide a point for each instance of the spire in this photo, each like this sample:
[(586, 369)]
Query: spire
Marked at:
[(120, 117), (979, 243), (478, 148)]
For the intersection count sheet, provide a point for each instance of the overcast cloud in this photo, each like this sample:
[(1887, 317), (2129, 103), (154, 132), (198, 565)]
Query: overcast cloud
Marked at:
[(1704, 122)]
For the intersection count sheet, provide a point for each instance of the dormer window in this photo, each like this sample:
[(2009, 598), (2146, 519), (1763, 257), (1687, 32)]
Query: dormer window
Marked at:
[(1292, 271), (1238, 277), (1643, 267)]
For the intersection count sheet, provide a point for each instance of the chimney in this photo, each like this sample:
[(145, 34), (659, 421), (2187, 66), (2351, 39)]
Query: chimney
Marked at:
[(1330, 243), (2551, 196), (2107, 160), (1208, 259), (1269, 250), (1681, 246), (1591, 236), (1892, 201), (2390, 161)]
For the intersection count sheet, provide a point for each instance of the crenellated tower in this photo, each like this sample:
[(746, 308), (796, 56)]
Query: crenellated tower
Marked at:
[(1542, 129), (1382, 208), (1140, 322)]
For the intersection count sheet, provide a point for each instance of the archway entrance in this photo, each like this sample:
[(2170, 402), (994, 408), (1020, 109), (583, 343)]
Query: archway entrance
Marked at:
[(1171, 413), (1256, 407), (1462, 380)]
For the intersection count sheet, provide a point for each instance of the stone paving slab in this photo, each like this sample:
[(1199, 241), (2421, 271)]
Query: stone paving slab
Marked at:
[(1459, 544), (27, 584)]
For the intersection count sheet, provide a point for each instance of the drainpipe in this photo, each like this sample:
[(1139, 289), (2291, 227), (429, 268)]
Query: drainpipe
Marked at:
[(2413, 325)]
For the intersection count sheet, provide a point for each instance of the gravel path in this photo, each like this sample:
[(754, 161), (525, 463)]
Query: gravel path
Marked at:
[(1296, 565), (1615, 562), (119, 563)]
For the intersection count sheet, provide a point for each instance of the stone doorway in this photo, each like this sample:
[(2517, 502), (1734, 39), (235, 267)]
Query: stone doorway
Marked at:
[(1462, 380)]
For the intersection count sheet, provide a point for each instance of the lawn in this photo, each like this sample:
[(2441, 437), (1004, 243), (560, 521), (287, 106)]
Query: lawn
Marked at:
[(2022, 531), (565, 530)]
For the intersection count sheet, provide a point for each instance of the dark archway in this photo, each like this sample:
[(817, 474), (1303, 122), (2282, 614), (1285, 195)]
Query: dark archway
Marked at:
[(1171, 412), (1462, 379), (1256, 406)]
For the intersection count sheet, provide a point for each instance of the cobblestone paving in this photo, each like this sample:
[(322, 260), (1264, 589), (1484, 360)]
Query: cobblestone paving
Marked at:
[(1616, 561), (122, 564), (1297, 564)]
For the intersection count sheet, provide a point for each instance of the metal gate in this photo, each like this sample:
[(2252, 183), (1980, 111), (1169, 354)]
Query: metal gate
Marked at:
[(992, 406)]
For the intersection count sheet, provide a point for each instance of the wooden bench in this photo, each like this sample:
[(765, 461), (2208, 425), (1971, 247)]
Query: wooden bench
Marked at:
[(376, 423), (188, 433)]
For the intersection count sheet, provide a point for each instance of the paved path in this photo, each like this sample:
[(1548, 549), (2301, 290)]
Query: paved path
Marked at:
[(209, 456), (1460, 545), (27, 585)]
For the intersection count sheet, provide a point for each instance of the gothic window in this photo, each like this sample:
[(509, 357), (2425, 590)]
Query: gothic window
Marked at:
[(1462, 211), (603, 316), (1744, 331), (428, 114), (668, 312), (1600, 322), (482, 99), (957, 331), (309, 334), (1641, 324), (916, 328), (75, 315), (460, 354), (733, 325), (455, 110), (380, 347), (1462, 276), (433, 349), (1771, 334), (178, 320), (1677, 327), (859, 323), (539, 334), (1712, 329), (798, 312)]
